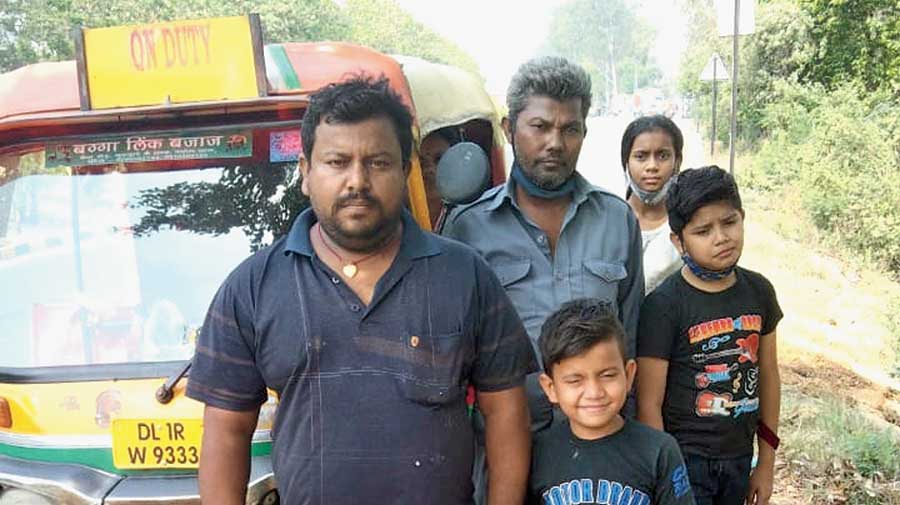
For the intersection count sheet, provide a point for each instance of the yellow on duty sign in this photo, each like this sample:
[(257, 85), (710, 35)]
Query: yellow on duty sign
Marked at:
[(171, 62)]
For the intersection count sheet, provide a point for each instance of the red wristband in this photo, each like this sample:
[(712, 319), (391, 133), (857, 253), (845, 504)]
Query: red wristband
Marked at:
[(769, 436)]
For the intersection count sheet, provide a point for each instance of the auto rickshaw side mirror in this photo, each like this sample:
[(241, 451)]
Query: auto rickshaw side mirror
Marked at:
[(463, 173)]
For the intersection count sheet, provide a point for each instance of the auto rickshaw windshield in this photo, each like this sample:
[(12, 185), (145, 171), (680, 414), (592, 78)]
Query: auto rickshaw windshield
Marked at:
[(117, 262)]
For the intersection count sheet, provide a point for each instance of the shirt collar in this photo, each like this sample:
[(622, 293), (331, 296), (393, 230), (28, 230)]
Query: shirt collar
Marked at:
[(507, 193), (415, 243)]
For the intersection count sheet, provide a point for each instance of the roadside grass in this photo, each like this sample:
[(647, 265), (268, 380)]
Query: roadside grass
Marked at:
[(836, 454)]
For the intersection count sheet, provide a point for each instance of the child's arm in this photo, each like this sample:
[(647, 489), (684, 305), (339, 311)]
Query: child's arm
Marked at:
[(761, 480), (657, 334), (651, 390)]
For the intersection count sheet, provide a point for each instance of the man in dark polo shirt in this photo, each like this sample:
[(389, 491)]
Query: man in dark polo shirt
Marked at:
[(369, 329)]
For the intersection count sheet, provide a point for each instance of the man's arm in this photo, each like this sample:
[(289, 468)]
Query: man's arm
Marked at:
[(652, 374), (508, 444), (225, 455), (762, 478)]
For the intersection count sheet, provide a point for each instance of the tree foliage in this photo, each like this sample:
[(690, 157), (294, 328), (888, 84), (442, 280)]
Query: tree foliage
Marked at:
[(778, 52), (41, 30), (855, 40), (809, 42), (840, 151), (383, 25), (262, 200), (609, 40)]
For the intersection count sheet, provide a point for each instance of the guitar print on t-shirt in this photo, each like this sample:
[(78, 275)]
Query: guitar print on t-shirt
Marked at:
[(728, 350)]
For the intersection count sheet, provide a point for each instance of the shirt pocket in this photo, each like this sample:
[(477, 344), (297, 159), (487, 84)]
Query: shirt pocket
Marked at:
[(511, 273), (513, 276), (431, 368), (600, 279)]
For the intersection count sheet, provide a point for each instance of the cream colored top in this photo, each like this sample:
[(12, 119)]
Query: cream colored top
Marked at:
[(661, 259)]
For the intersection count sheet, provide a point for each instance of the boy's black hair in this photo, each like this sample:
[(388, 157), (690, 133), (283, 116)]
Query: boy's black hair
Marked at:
[(646, 124), (696, 188), (576, 327), (359, 98)]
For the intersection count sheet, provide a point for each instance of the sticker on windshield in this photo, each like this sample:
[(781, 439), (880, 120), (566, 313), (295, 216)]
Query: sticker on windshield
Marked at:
[(285, 146), (197, 145)]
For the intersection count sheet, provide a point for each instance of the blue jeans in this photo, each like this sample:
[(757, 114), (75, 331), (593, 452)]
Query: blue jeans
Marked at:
[(718, 481)]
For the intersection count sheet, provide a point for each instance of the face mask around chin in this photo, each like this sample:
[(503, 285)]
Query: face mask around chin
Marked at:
[(650, 198), (534, 190), (704, 273)]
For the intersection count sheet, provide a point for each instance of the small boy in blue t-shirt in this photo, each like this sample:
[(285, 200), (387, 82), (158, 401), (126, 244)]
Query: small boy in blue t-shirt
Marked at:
[(597, 456), (707, 362)]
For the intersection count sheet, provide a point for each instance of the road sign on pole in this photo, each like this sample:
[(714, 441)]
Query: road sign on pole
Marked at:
[(725, 16), (711, 73), (742, 14), (714, 70)]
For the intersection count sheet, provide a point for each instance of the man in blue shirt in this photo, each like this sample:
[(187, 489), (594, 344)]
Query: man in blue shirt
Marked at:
[(548, 234), (369, 329)]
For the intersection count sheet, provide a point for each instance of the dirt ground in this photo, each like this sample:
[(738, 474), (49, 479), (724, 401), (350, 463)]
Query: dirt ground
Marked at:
[(818, 377)]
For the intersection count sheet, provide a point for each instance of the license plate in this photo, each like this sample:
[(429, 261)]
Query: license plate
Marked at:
[(156, 443)]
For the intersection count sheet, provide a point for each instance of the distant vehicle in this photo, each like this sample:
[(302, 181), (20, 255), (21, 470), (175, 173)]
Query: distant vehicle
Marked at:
[(620, 104), (649, 101)]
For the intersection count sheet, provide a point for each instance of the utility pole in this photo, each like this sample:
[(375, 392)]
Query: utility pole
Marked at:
[(712, 135), (734, 83)]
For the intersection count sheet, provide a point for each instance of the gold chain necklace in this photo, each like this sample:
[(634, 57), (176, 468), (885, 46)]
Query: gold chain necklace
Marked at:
[(350, 268)]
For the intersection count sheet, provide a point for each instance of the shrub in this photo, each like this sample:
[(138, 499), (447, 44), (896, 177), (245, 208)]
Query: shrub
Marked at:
[(851, 173), (842, 151)]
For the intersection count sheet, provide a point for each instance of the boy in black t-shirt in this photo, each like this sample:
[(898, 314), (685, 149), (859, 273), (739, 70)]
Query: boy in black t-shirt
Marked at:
[(707, 361), (597, 456)]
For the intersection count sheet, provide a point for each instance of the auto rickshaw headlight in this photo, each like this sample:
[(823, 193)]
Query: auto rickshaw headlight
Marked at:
[(5, 414)]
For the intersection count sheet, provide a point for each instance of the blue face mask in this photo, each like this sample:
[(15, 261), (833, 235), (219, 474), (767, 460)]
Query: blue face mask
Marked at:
[(703, 273), (536, 191)]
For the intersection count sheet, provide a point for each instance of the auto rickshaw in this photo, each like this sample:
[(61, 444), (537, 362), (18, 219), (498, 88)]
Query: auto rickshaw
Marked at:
[(452, 106), (119, 218)]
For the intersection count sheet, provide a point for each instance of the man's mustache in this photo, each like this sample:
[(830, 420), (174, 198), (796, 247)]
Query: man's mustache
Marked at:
[(356, 199)]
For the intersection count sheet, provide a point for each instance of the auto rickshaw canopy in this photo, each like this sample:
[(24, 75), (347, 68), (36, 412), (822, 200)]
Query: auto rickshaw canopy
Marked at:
[(448, 96)]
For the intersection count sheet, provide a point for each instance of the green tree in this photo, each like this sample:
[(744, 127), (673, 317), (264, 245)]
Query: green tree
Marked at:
[(608, 39), (777, 52), (262, 200), (385, 26), (41, 30), (855, 40), (703, 42)]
